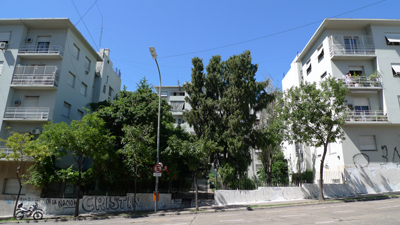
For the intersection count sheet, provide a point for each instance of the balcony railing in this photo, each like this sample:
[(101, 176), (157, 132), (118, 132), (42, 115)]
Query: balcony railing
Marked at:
[(354, 45), (35, 75), (34, 49), (362, 82), (27, 113), (6, 151), (367, 116)]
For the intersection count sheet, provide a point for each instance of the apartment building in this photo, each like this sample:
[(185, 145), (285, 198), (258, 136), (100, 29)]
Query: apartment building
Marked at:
[(368, 49), (48, 72)]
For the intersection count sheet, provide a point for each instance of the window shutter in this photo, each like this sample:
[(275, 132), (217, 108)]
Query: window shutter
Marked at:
[(367, 142)]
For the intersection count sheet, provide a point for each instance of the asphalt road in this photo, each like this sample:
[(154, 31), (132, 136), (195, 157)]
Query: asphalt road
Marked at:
[(377, 212)]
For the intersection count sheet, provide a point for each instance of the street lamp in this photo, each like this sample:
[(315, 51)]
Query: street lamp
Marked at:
[(154, 55)]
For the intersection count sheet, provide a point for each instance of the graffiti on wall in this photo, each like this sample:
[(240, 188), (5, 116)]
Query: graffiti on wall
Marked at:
[(362, 159)]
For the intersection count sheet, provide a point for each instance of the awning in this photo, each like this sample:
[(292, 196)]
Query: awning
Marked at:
[(393, 37), (396, 68)]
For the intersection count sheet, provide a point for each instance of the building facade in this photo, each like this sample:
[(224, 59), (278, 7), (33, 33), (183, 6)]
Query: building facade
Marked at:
[(48, 72), (368, 49)]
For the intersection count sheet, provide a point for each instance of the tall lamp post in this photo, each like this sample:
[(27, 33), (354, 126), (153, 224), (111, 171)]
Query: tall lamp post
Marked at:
[(154, 55)]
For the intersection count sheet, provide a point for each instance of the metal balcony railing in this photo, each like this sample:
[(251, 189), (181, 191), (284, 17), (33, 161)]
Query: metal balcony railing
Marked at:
[(34, 49), (362, 82), (35, 75), (6, 151), (351, 45), (29, 113), (367, 115)]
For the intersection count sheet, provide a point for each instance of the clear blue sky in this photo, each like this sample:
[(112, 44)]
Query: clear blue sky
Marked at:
[(179, 30)]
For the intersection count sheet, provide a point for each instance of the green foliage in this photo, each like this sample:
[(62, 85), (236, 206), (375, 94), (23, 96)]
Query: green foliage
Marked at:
[(224, 104), (279, 171), (314, 115)]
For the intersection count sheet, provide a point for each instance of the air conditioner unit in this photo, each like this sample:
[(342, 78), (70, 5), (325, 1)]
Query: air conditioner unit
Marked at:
[(17, 102), (36, 131), (3, 45), (86, 72), (397, 74), (29, 40)]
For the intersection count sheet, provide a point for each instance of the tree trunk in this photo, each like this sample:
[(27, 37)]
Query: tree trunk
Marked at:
[(76, 214), (197, 191), (19, 191), (134, 194), (321, 175)]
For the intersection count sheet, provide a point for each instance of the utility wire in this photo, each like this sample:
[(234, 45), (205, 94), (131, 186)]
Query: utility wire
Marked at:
[(85, 25), (270, 35), (86, 12)]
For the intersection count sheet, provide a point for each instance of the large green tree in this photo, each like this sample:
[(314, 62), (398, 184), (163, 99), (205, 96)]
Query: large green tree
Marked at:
[(313, 114), (22, 149), (82, 140), (194, 153), (224, 102)]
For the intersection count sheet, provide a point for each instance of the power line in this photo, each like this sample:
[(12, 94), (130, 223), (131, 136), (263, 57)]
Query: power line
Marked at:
[(85, 12), (85, 24), (269, 35)]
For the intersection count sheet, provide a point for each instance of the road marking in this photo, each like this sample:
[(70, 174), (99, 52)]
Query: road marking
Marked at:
[(344, 211), (224, 221), (387, 207), (293, 215), (325, 222)]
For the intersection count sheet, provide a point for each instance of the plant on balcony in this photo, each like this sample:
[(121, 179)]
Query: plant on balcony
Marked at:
[(374, 78)]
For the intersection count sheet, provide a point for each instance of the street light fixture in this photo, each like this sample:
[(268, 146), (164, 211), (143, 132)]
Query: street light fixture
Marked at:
[(154, 55)]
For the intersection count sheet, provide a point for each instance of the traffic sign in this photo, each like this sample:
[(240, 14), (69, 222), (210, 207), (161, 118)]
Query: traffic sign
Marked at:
[(156, 174), (157, 168)]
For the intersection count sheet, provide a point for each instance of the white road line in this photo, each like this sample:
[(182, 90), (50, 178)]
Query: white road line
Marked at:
[(324, 222), (387, 207), (344, 211), (224, 221)]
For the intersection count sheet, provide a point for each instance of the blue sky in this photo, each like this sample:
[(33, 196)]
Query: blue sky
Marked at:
[(179, 30)]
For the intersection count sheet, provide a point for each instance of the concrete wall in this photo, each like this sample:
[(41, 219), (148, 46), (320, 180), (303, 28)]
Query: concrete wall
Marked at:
[(89, 204)]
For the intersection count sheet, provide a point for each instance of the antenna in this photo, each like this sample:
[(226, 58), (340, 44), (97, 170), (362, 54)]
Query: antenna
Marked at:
[(101, 33)]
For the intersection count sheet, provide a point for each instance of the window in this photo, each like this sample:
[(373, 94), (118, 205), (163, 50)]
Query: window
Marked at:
[(87, 64), (71, 80), (396, 70), (1, 66), (83, 89), (323, 75), (398, 98), (75, 52), (179, 121), (361, 106), (5, 36), (321, 55), (80, 114), (356, 70), (392, 39), (309, 69), (164, 93), (66, 109), (367, 143), (43, 44), (178, 93), (177, 106), (350, 44), (104, 89), (110, 92), (11, 186)]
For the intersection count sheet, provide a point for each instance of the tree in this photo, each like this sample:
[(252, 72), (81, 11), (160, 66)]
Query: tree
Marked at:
[(23, 149), (137, 151), (224, 104), (83, 139), (194, 153), (314, 115)]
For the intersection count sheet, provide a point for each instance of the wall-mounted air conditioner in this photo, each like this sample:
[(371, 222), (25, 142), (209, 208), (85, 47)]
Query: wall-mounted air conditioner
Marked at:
[(3, 45), (36, 131), (86, 72), (17, 102)]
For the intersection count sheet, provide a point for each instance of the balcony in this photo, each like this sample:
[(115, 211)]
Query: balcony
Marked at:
[(366, 116), (36, 52), (27, 114), (35, 77), (363, 83), (351, 47)]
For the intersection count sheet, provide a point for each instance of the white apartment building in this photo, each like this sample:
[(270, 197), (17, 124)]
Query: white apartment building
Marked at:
[(369, 155), (48, 72)]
